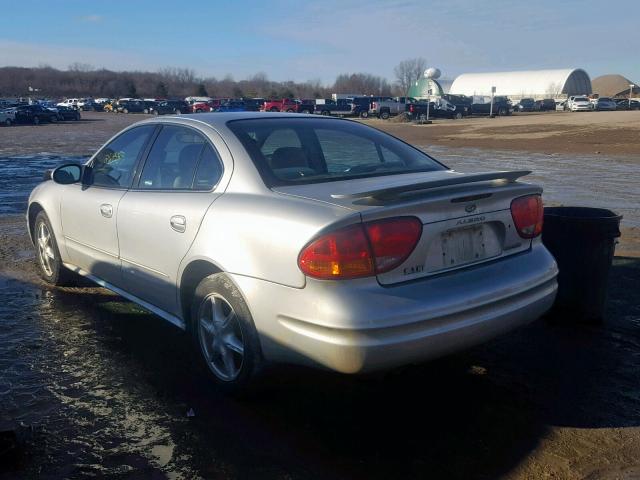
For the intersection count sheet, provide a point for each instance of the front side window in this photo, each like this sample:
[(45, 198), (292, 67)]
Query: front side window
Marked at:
[(114, 165), (295, 151), (180, 159)]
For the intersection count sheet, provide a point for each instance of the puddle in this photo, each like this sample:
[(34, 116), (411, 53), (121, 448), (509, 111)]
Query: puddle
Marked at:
[(21, 173)]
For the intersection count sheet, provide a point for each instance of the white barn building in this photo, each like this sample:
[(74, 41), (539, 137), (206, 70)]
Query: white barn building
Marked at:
[(536, 84)]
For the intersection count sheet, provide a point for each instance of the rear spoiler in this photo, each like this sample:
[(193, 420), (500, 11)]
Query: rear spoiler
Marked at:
[(459, 179)]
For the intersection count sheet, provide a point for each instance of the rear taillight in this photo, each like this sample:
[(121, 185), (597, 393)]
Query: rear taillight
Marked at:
[(411, 107), (527, 213), (361, 250)]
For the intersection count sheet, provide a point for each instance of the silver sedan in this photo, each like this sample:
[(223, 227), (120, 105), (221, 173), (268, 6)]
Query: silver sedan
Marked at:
[(297, 238)]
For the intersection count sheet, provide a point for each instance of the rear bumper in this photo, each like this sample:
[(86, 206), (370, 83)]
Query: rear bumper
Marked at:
[(358, 326)]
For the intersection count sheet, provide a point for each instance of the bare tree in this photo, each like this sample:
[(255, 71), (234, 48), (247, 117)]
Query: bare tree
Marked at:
[(409, 71)]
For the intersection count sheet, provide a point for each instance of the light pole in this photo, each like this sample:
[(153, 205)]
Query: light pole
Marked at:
[(631, 85), (493, 92)]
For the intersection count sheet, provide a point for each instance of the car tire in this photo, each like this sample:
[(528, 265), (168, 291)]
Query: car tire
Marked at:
[(458, 116), (502, 112), (177, 111), (156, 113), (273, 109), (198, 110), (8, 122), (50, 267), (289, 111), (364, 114), (146, 111), (36, 120), (325, 113), (125, 110), (224, 334), (53, 119), (305, 111), (385, 115)]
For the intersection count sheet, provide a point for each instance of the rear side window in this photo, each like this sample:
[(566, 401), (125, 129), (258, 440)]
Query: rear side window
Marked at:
[(180, 159), (303, 150), (114, 165)]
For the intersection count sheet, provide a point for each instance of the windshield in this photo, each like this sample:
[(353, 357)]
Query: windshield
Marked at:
[(581, 99), (304, 150)]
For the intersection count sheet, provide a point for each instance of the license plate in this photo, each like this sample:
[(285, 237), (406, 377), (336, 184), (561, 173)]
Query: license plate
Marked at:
[(463, 245)]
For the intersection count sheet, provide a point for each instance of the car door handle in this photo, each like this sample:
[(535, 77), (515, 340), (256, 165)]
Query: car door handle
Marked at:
[(178, 223), (106, 210)]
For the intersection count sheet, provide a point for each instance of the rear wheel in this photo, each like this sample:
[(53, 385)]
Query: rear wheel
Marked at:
[(36, 120), (502, 111), (224, 334), (458, 115), (325, 112), (384, 115), (125, 110), (273, 109), (198, 110), (146, 111), (50, 265), (364, 114)]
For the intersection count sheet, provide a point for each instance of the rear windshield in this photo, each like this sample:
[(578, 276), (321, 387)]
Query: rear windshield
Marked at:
[(306, 150)]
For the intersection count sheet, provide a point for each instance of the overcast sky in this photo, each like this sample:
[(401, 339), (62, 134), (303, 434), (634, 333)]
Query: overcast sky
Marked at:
[(304, 40)]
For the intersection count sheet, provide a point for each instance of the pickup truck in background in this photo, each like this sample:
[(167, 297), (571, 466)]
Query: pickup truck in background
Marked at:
[(284, 105), (341, 107), (386, 108)]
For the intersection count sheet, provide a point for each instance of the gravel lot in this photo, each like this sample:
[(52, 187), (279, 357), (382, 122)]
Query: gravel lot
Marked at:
[(92, 386)]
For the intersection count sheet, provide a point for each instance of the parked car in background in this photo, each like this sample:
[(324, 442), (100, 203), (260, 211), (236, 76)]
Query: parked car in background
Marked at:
[(439, 108), (545, 105), (603, 103), (284, 105), (7, 116), (130, 106), (626, 104), (561, 105), (362, 105), (34, 114), (171, 107), (68, 113), (281, 238), (148, 106), (232, 106), (71, 102), (578, 104), (482, 106), (339, 108), (202, 107), (525, 105), (461, 102)]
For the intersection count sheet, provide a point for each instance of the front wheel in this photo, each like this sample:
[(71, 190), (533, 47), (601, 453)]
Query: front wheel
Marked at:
[(50, 265), (502, 112), (384, 115), (224, 334), (364, 114), (458, 116)]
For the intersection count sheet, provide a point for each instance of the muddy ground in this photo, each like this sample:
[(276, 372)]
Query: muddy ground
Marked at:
[(92, 386)]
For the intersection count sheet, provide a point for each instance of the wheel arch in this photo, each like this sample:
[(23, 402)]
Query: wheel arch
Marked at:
[(192, 275), (34, 209)]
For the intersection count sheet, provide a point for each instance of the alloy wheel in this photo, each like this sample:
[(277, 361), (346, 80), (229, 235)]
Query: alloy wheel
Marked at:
[(45, 249), (221, 339)]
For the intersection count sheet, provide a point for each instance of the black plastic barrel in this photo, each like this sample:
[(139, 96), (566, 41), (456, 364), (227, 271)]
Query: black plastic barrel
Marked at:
[(582, 240)]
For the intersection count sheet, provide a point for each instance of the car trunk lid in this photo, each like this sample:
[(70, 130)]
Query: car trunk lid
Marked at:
[(466, 217)]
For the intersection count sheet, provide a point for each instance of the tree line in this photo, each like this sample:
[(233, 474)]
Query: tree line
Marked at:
[(81, 80)]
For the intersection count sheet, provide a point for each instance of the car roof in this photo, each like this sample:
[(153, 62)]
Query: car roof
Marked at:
[(219, 119)]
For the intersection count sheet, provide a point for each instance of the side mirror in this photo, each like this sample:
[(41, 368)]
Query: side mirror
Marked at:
[(67, 174)]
